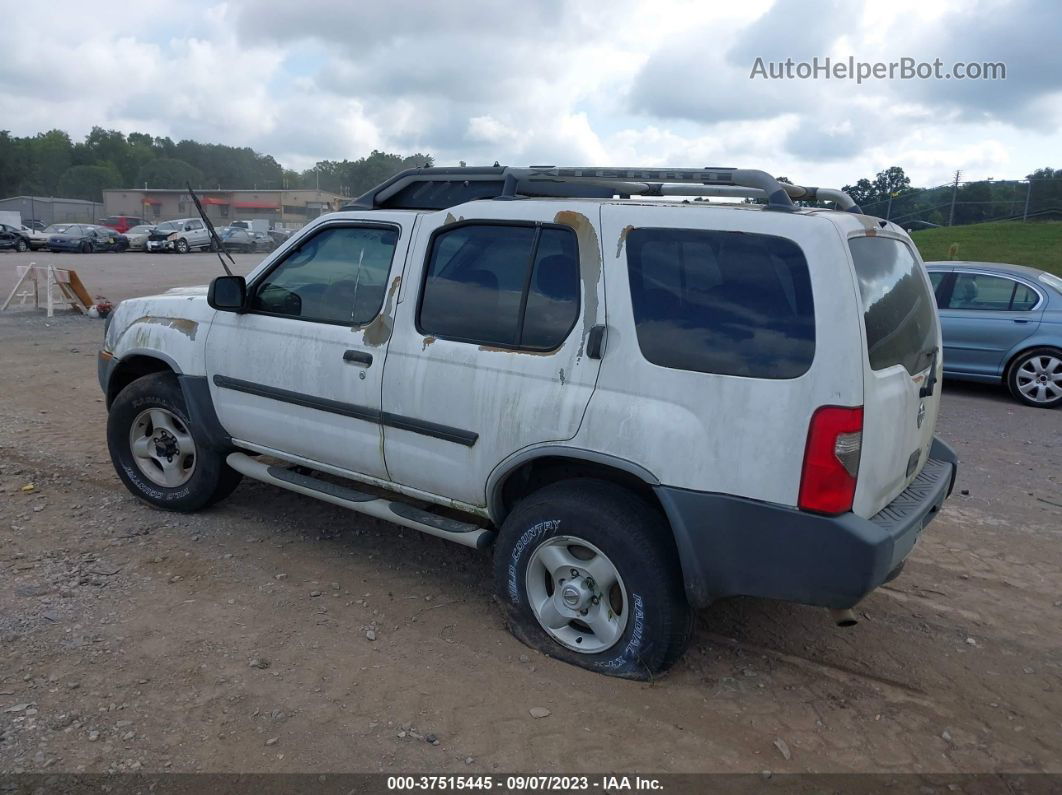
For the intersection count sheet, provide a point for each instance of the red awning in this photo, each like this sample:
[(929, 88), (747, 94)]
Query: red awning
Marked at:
[(213, 200), (256, 205)]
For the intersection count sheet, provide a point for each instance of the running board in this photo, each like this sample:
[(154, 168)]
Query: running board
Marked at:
[(402, 513)]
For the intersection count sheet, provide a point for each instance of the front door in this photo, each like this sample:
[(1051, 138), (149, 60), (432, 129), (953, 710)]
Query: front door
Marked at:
[(489, 354), (301, 371)]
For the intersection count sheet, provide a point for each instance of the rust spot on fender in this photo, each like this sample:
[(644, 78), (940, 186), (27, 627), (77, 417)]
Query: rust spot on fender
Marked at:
[(427, 341), (379, 330), (187, 327), (623, 239)]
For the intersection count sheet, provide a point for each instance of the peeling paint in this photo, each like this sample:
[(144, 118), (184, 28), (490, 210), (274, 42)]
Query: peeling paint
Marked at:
[(562, 376), (185, 326), (497, 349), (589, 265), (429, 340), (379, 330), (623, 239)]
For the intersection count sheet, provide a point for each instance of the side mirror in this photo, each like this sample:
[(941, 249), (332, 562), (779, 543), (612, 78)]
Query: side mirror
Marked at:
[(227, 294)]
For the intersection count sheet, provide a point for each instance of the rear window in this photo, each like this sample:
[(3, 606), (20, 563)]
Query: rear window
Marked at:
[(898, 309), (731, 303)]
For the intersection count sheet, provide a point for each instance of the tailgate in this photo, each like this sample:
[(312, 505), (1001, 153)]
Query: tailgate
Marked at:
[(902, 368)]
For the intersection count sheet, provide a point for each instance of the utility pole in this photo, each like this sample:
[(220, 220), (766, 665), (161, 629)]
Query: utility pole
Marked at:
[(954, 192), (1028, 192)]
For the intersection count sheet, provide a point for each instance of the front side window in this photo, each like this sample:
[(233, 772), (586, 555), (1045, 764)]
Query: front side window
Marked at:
[(721, 302), (337, 276), (898, 310), (494, 284), (981, 292)]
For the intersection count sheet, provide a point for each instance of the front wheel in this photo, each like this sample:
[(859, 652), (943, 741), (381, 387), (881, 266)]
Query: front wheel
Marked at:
[(586, 572), (22, 246), (86, 247), (1035, 378), (159, 455), (181, 246)]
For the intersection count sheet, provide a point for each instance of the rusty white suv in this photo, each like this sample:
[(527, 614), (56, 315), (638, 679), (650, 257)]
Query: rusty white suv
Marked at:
[(643, 400)]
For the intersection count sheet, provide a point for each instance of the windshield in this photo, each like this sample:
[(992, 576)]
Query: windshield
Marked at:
[(58, 229), (169, 226), (899, 310)]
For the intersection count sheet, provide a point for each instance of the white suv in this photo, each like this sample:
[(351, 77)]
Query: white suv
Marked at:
[(643, 404)]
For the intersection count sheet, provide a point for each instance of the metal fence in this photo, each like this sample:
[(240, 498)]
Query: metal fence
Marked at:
[(973, 202)]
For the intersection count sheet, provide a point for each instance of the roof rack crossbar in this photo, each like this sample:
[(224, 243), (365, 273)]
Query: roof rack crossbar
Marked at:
[(592, 182)]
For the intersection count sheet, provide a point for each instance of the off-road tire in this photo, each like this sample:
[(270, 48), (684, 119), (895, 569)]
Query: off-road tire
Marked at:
[(212, 479), (1012, 377), (635, 538)]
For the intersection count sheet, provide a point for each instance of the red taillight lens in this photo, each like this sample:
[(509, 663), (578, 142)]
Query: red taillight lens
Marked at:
[(831, 460)]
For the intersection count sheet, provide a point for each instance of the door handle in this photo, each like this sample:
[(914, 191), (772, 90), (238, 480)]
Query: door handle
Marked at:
[(359, 358), (595, 345), (1019, 320)]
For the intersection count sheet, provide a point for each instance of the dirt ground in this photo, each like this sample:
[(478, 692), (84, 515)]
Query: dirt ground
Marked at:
[(236, 639)]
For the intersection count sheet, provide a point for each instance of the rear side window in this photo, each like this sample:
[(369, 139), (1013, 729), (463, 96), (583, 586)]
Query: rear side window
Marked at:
[(979, 291), (722, 302), (507, 285), (898, 309)]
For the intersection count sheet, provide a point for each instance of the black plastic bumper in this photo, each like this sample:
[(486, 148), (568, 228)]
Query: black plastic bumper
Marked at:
[(731, 546)]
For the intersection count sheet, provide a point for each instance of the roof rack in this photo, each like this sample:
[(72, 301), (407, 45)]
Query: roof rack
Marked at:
[(440, 188)]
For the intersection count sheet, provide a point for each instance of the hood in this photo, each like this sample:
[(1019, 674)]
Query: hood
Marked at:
[(199, 289)]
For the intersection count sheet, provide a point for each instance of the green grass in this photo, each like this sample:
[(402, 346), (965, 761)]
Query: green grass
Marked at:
[(1036, 243)]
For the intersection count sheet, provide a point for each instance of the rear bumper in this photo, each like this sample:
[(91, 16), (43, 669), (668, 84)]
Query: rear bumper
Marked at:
[(731, 546)]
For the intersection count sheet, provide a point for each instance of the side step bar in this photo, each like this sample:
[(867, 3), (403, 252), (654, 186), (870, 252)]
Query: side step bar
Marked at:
[(402, 513)]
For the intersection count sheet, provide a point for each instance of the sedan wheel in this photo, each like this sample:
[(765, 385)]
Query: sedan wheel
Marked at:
[(1036, 378), (22, 246)]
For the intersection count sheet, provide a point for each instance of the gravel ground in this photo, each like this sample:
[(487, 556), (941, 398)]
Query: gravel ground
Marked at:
[(277, 633)]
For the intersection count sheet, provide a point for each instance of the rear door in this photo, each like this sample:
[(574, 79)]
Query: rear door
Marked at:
[(300, 373), (983, 317), (489, 355), (902, 343)]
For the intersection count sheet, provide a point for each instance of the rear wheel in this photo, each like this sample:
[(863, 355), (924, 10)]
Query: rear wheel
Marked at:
[(1035, 378), (86, 247), (160, 457), (586, 573)]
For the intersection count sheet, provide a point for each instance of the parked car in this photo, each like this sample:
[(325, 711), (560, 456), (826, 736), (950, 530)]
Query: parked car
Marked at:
[(37, 238), (34, 224), (182, 235), (236, 239), (642, 405), (1002, 324), (84, 238), (15, 237), (121, 223), (138, 236)]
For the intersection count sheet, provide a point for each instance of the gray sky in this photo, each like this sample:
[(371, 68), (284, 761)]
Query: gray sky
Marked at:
[(549, 82)]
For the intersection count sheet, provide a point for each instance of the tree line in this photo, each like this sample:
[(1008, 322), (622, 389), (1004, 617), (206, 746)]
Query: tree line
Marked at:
[(52, 164)]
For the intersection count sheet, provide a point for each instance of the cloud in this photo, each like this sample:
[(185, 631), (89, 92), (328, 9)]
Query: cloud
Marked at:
[(557, 81)]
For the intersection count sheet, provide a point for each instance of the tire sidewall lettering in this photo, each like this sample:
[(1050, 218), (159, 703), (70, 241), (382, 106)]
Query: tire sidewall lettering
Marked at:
[(532, 536)]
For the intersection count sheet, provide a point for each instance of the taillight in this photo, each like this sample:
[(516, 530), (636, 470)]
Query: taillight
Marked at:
[(831, 460)]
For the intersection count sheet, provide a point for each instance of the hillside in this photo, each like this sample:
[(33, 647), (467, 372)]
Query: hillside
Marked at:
[(1037, 243)]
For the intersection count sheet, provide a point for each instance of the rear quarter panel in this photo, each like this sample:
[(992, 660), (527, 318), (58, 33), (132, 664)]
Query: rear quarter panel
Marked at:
[(722, 433)]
